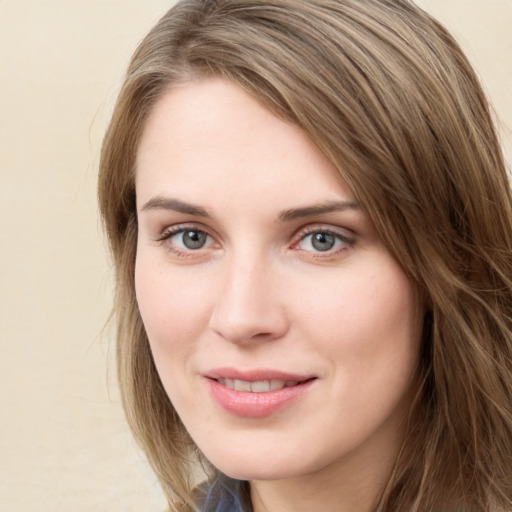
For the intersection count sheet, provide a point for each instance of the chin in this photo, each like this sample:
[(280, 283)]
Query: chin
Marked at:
[(246, 471), (261, 466)]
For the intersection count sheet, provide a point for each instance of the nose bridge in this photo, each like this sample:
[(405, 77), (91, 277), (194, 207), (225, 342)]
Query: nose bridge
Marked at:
[(248, 306)]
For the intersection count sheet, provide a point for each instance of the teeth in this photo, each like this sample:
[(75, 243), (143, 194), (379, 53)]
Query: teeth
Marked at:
[(242, 385), (259, 386), (276, 384)]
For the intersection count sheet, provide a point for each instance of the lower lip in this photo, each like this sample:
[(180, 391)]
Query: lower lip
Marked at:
[(256, 405)]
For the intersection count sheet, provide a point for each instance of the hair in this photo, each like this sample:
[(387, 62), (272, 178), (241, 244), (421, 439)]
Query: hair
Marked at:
[(388, 96)]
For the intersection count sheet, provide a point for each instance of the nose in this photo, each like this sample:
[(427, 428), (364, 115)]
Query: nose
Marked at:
[(248, 309)]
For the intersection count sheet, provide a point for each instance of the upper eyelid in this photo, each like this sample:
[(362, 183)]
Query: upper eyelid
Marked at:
[(185, 226), (324, 228)]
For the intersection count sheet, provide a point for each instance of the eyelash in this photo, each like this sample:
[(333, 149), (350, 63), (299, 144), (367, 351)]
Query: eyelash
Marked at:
[(176, 230), (346, 242)]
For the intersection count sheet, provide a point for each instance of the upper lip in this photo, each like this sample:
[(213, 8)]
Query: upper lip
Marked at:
[(255, 375)]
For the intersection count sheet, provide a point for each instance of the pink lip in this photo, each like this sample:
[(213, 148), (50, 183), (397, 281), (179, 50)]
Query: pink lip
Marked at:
[(254, 375), (255, 405)]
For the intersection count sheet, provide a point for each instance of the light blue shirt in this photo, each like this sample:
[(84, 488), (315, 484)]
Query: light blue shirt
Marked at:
[(225, 494)]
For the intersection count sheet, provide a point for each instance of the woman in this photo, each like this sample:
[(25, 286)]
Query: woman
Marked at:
[(311, 225)]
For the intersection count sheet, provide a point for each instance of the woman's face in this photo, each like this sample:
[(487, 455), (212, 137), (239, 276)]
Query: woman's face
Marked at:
[(284, 332)]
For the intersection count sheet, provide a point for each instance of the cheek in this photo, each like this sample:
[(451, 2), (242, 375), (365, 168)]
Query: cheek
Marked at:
[(165, 301), (369, 331), (368, 325)]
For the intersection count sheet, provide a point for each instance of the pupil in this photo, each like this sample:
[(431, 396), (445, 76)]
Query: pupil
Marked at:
[(194, 239), (323, 241)]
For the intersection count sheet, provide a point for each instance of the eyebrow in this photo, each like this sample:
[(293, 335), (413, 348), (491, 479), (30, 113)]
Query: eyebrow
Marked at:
[(309, 211), (163, 203)]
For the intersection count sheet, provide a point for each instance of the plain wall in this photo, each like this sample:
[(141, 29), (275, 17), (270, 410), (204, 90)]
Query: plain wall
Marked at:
[(64, 444)]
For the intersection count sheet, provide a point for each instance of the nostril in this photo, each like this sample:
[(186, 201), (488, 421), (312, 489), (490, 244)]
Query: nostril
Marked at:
[(251, 324)]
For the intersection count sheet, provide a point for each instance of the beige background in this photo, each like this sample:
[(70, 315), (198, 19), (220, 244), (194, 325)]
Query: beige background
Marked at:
[(63, 440)]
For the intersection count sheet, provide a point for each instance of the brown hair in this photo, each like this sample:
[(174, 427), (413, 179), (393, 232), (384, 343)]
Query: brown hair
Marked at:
[(388, 96)]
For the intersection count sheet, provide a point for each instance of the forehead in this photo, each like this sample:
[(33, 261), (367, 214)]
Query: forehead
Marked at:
[(210, 136)]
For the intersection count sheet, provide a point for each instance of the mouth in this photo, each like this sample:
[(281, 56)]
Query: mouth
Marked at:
[(258, 386), (257, 394)]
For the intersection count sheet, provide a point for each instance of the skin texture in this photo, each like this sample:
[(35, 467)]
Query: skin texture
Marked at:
[(260, 295)]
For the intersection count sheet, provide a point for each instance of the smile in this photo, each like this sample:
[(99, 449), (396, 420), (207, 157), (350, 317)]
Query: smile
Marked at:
[(257, 394), (259, 386)]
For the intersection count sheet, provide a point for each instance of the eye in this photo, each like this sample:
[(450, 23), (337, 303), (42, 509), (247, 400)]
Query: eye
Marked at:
[(184, 239), (190, 239), (323, 241)]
